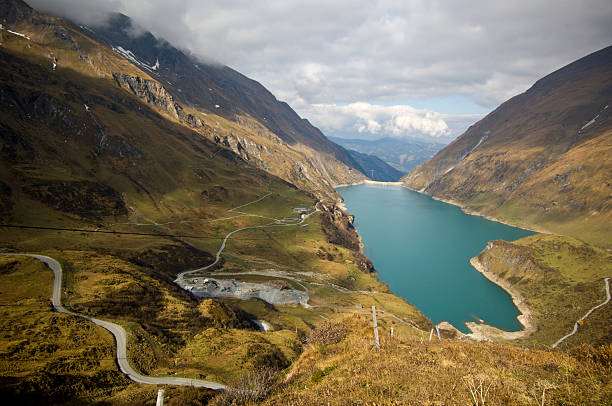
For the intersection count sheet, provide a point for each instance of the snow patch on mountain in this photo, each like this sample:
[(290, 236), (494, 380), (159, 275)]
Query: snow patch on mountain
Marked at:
[(15, 33), (129, 55)]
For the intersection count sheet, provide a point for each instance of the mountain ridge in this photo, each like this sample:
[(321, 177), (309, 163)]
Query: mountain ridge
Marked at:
[(539, 159), (214, 87), (376, 169), (306, 159)]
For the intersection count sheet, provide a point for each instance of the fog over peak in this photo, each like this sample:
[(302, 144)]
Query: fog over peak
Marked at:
[(461, 59)]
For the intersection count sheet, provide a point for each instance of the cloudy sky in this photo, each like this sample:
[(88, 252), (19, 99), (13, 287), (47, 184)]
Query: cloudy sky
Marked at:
[(367, 69)]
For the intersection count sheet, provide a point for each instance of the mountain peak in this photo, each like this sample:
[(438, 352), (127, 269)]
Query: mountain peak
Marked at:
[(541, 158)]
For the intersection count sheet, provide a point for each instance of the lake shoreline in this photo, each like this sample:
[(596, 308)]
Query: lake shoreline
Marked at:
[(485, 332), (476, 331), (475, 213)]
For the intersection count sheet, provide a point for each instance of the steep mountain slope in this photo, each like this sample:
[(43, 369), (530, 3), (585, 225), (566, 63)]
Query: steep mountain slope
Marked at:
[(214, 90), (101, 168), (404, 154), (376, 168), (541, 159), (83, 146)]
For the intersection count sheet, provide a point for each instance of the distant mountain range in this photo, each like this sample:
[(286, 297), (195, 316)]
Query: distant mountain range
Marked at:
[(375, 168), (403, 154), (541, 159)]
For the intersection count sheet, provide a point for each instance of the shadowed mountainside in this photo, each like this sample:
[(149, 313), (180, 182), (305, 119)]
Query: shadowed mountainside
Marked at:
[(404, 154), (212, 88), (376, 168), (218, 103)]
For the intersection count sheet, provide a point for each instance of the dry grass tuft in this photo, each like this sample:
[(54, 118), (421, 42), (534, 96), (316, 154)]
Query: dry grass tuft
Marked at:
[(252, 387), (327, 333), (412, 371)]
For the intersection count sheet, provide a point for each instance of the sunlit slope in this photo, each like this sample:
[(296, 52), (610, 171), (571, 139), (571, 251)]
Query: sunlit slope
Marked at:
[(541, 159), (244, 115)]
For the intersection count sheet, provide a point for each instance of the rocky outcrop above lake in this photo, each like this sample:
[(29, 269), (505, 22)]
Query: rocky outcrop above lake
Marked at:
[(340, 230)]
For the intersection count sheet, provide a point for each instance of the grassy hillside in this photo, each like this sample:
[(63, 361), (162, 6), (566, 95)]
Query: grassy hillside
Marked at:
[(340, 367), (127, 190), (52, 358), (126, 196), (540, 160), (561, 279), (172, 332), (308, 159)]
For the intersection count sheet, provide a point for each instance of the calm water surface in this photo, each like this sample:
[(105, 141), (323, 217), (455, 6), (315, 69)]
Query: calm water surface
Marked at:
[(422, 247)]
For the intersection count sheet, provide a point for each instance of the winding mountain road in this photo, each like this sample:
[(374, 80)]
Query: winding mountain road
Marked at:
[(275, 223), (605, 302), (118, 332)]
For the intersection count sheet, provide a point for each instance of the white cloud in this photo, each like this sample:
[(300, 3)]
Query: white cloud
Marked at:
[(383, 52), (365, 120)]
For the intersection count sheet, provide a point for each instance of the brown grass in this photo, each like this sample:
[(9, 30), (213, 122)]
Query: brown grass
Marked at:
[(408, 370)]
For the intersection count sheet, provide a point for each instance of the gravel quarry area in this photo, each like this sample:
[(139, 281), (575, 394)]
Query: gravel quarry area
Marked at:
[(271, 292)]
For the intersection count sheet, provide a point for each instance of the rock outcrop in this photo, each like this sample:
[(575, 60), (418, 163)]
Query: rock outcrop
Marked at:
[(340, 230)]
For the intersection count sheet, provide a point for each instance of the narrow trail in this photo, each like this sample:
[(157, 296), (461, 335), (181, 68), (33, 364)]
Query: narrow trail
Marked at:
[(249, 203), (152, 223), (607, 283), (275, 223), (117, 331)]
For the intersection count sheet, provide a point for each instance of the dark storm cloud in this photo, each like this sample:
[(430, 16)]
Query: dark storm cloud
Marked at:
[(314, 53)]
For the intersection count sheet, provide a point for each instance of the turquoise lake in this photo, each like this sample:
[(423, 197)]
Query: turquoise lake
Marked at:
[(421, 248)]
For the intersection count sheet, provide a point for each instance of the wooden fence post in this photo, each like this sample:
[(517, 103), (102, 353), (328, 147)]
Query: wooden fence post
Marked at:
[(160, 398), (376, 340)]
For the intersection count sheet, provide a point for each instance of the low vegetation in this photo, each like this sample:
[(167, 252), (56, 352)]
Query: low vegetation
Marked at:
[(47, 356), (411, 370), (133, 205), (561, 279)]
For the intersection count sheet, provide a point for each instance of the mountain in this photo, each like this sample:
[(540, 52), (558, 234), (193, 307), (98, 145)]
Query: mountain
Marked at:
[(102, 168), (264, 131), (219, 103), (376, 168), (404, 154), (541, 159), (78, 149)]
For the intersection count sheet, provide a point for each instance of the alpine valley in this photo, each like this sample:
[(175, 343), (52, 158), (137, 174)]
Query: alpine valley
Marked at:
[(186, 226)]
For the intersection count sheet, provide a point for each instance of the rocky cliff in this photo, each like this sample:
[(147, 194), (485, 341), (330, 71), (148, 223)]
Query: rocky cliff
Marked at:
[(220, 104), (541, 159), (239, 111), (340, 230)]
